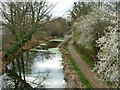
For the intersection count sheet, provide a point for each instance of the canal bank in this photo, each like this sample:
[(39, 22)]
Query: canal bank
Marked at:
[(70, 75), (45, 66)]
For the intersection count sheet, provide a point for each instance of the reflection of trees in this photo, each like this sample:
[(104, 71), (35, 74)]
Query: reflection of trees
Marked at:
[(14, 81), (18, 83), (28, 61), (53, 44), (17, 80), (22, 65), (20, 70), (39, 78), (23, 62), (46, 55)]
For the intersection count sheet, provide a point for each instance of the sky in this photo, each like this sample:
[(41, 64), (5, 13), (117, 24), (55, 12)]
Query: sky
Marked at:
[(61, 7)]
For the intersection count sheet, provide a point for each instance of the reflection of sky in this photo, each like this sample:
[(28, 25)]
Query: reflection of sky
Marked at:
[(53, 66)]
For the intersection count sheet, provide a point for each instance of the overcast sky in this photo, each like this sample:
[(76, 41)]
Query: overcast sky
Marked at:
[(61, 7)]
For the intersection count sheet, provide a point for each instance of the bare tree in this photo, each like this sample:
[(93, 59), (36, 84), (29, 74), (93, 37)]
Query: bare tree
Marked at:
[(22, 19), (80, 8)]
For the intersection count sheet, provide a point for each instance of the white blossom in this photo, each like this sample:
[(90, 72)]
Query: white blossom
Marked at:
[(108, 56), (84, 34)]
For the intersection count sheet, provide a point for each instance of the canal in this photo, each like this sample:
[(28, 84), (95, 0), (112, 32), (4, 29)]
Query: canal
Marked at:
[(40, 67)]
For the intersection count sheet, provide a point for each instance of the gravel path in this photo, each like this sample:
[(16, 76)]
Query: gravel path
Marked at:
[(90, 76)]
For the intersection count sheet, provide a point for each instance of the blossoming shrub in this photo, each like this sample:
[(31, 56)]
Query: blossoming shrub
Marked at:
[(87, 32), (108, 56), (108, 63), (84, 31)]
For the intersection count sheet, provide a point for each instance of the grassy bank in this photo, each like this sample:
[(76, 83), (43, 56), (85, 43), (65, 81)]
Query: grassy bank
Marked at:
[(85, 56), (84, 81), (81, 75)]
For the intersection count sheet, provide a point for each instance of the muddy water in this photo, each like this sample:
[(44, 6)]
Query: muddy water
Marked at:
[(41, 67)]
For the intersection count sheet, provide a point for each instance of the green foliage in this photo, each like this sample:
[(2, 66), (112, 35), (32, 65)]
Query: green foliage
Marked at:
[(109, 83), (7, 62), (12, 49)]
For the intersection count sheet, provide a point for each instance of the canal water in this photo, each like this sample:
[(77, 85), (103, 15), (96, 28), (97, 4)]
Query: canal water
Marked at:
[(41, 67)]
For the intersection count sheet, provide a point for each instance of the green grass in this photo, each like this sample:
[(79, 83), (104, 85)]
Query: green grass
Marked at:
[(87, 60), (80, 74), (110, 84)]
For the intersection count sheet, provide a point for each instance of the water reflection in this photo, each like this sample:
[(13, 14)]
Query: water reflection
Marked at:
[(35, 70)]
